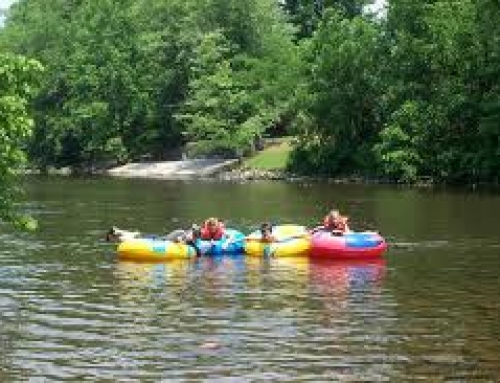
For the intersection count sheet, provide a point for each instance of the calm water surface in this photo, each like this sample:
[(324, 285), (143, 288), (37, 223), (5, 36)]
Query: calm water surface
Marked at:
[(430, 311)]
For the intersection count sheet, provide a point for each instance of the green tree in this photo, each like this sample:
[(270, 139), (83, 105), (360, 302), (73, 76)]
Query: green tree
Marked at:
[(307, 14), (119, 72), (240, 85), (441, 60), (91, 91), (17, 82), (215, 108), (339, 103)]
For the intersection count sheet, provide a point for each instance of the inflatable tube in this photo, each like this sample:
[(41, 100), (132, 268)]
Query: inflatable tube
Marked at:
[(290, 241), (153, 250), (351, 245), (233, 242)]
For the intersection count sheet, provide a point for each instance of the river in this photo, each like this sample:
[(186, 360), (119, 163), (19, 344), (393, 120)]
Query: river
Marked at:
[(430, 310)]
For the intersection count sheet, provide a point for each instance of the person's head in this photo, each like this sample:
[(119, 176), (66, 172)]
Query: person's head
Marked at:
[(118, 235), (266, 230), (212, 224), (195, 231), (334, 214), (337, 219), (111, 235)]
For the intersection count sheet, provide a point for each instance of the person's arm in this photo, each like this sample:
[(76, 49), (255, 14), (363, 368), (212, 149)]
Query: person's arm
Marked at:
[(316, 229), (347, 229), (229, 239), (273, 238)]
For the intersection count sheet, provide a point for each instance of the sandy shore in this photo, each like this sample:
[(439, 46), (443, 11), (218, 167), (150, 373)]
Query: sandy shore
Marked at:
[(187, 169)]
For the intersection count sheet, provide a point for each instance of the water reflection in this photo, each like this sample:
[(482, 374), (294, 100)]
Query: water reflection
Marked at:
[(334, 282), (329, 276), (340, 311), (214, 275), (340, 278), (134, 275)]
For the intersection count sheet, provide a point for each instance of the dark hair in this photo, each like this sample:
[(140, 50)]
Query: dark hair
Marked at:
[(196, 230), (266, 226), (110, 234)]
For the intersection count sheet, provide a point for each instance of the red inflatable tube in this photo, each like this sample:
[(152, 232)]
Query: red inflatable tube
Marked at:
[(351, 245)]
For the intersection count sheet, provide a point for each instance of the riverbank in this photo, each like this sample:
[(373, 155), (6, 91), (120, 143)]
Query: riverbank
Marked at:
[(268, 164), (218, 169), (234, 170), (250, 174), (184, 169)]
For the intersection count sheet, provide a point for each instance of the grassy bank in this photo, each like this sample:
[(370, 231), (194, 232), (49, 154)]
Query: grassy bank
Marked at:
[(273, 157)]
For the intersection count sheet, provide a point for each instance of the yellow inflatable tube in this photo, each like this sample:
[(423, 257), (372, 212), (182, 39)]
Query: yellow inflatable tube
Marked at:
[(153, 250), (290, 241)]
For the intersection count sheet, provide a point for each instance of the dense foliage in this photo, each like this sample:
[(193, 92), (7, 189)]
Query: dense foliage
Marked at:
[(442, 92), (339, 105), (131, 78), (413, 93), (17, 80)]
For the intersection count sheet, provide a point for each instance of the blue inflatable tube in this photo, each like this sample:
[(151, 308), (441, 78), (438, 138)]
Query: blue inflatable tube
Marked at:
[(233, 242)]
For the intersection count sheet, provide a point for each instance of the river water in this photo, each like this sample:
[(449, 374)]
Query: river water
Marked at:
[(429, 311)]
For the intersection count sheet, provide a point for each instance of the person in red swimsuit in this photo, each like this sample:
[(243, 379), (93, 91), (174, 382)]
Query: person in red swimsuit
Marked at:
[(335, 223), (212, 229)]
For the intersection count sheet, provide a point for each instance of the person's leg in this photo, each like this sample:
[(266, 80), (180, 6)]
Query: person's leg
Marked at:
[(175, 235), (195, 247)]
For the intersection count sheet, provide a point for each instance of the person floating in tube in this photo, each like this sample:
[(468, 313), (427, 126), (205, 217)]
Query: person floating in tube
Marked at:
[(334, 222), (266, 232), (188, 236), (214, 230)]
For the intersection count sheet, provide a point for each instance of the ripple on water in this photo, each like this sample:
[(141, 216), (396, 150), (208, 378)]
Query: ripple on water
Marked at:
[(69, 311)]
